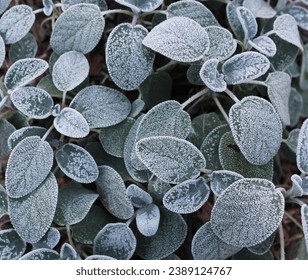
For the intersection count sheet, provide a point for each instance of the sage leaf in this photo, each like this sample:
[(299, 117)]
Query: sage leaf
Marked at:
[(6, 130), (264, 45), (157, 188), (138, 106), (138, 196), (4, 5), (49, 240), (24, 48), (41, 254), (48, 7), (304, 216), (263, 247), (248, 22), (143, 6), (12, 247), (147, 219), (67, 252), (2, 51), (69, 3), (3, 202), (234, 21), (302, 148), (300, 14), (296, 189), (260, 8)]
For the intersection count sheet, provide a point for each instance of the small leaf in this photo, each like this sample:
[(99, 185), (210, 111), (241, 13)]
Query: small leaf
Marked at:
[(12, 247), (41, 254), (305, 185), (99, 257), (137, 107), (248, 22), (24, 71), (77, 163), (171, 159), (49, 240), (2, 51), (69, 3), (24, 48), (6, 130), (115, 240), (296, 189), (28, 166), (260, 8), (302, 148), (263, 247), (144, 6), (179, 38), (295, 106), (46, 83), (300, 14), (234, 21), (32, 215), (138, 196), (80, 28), (3, 202), (157, 188), (101, 106), (304, 215), (4, 5), (264, 45), (147, 220), (292, 139), (67, 252), (15, 23), (71, 123), (48, 7), (244, 67)]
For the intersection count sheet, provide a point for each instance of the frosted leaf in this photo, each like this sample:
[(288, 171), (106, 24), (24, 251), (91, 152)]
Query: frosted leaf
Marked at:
[(33, 102), (264, 246), (99, 257), (24, 48), (222, 43), (12, 247), (255, 210), (304, 215), (303, 81), (264, 45), (67, 252), (260, 8), (3, 202), (234, 21), (302, 148), (300, 14), (48, 7), (70, 70), (173, 257), (113, 137), (15, 23), (244, 67), (4, 5), (32, 215), (18, 119), (28, 166), (100, 3), (49, 240), (47, 84), (192, 74), (256, 128), (2, 51), (248, 22), (112, 193), (138, 196), (296, 189), (41, 254), (232, 159), (285, 27), (80, 28), (187, 197), (292, 139), (222, 179), (141, 5), (74, 203), (245, 254), (305, 185), (171, 159), (179, 38), (24, 71), (207, 246), (101, 106), (169, 237), (157, 188), (128, 61), (115, 240), (6, 130), (193, 10), (211, 77), (71, 123), (147, 220), (76, 163), (138, 106)]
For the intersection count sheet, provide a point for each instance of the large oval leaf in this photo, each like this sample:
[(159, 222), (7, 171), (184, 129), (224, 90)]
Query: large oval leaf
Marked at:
[(4, 5), (256, 128), (80, 28), (302, 148), (137, 5), (28, 166), (233, 19), (248, 22), (255, 210), (147, 219), (32, 215), (77, 163), (41, 254), (179, 38), (171, 159), (12, 246)]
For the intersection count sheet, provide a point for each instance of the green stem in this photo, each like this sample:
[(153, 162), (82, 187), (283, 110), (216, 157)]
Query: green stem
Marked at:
[(296, 201), (232, 96), (135, 19), (256, 82), (282, 245), (154, 12), (194, 97), (117, 11), (3, 101), (69, 236), (47, 133), (293, 220), (221, 109)]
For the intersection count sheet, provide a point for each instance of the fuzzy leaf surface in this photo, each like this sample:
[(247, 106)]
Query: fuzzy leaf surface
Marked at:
[(2, 51), (138, 196), (6, 130), (69, 3), (12, 247), (24, 48), (147, 219), (3, 202), (264, 45), (49, 240), (248, 22), (41, 254), (300, 14), (304, 217), (4, 5), (211, 77), (259, 8), (302, 148)]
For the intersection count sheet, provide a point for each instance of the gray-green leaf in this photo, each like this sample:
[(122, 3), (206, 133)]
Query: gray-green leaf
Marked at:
[(4, 5), (302, 148), (248, 22), (67, 252), (303, 81), (138, 196), (264, 45), (300, 14), (137, 5), (263, 247), (260, 8), (41, 254), (304, 215), (100, 3), (24, 48), (147, 219), (49, 240), (2, 51), (48, 7), (12, 247), (3, 202)]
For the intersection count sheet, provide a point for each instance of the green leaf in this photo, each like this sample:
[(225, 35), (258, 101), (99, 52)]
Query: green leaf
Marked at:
[(171, 159), (3, 202), (300, 14), (137, 107), (28, 166), (302, 148), (138, 196), (2, 51), (46, 83), (128, 61), (69, 3), (80, 28), (24, 48), (101, 106), (115, 240), (15, 23), (187, 197), (24, 71), (303, 81), (207, 246), (263, 247), (12, 247), (260, 8), (304, 215), (147, 219), (157, 188), (292, 139), (255, 210), (178, 38), (77, 163), (4, 5), (137, 5), (41, 254), (6, 130), (264, 45), (234, 21), (300, 251), (49, 240), (248, 22), (67, 252), (32, 215)]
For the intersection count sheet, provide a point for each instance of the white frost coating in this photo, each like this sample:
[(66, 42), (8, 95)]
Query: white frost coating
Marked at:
[(68, 3), (285, 27), (4, 5), (70, 70), (138, 196), (264, 45), (207, 246), (77, 163), (2, 51), (49, 240), (41, 254), (233, 20), (222, 43), (3, 202), (67, 252), (247, 212), (171, 159), (302, 148), (99, 257), (12, 247), (115, 240), (260, 8), (24, 71), (48, 7), (187, 197), (24, 48), (141, 5), (101, 106), (128, 61), (16, 23), (292, 139), (244, 67), (147, 220), (248, 22), (33, 102), (71, 123), (112, 193), (32, 215), (296, 189), (279, 89), (300, 14), (304, 216), (6, 130), (256, 128), (157, 188), (28, 166), (211, 77), (179, 38), (80, 28), (193, 10), (138, 106), (264, 246)]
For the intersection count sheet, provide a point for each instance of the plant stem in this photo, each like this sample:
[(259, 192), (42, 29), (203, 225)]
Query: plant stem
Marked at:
[(69, 236), (232, 96), (118, 11), (281, 237), (206, 171), (154, 12), (128, 222), (221, 109), (63, 98), (297, 201), (293, 220), (42, 9), (135, 19), (47, 133), (167, 66), (194, 97), (3, 101), (256, 82)]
